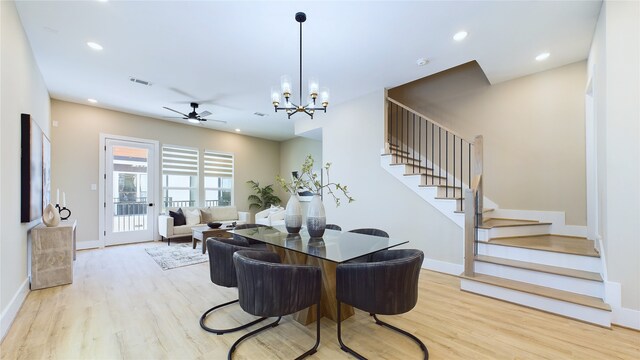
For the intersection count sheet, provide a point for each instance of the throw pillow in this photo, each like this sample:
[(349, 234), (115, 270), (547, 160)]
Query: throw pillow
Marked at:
[(178, 217), (193, 217), (206, 216)]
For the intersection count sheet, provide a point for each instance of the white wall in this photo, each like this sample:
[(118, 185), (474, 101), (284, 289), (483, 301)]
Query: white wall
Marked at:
[(23, 91), (614, 67), (352, 137)]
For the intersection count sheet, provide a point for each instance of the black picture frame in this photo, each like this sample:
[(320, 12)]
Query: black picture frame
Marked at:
[(31, 170)]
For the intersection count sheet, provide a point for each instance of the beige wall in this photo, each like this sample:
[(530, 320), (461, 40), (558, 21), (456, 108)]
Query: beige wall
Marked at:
[(352, 137), (23, 91), (76, 150), (533, 129), (614, 71), (293, 152)]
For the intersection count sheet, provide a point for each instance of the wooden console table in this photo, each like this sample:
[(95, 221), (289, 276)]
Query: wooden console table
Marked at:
[(52, 255)]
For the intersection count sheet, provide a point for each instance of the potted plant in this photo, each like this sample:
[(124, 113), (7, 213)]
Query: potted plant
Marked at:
[(263, 198), (307, 179)]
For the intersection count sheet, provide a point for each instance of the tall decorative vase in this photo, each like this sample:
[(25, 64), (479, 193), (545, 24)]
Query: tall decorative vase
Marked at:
[(293, 215), (316, 217)]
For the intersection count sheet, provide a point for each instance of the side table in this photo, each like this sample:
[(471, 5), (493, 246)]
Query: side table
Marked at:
[(52, 255), (203, 232)]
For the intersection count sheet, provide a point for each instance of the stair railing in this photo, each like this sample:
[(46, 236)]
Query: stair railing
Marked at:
[(444, 158)]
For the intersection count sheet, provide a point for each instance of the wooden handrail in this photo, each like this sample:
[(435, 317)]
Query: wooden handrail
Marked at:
[(428, 119)]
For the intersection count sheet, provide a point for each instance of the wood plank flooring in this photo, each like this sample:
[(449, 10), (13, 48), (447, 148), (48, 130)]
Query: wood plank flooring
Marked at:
[(122, 305)]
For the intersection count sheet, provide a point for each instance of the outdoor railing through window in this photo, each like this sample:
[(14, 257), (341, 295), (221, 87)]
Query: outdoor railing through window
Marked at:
[(130, 214)]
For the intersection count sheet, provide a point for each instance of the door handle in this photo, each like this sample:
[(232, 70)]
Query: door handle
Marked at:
[(150, 204)]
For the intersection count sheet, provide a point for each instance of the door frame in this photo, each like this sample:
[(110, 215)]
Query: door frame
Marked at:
[(154, 176)]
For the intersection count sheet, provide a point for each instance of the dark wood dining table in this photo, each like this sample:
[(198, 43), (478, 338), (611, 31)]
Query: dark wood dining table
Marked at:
[(333, 248)]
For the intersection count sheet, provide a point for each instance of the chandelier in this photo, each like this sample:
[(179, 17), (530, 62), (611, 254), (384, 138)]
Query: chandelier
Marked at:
[(285, 86)]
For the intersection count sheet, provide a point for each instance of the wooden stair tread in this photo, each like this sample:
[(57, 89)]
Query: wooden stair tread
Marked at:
[(485, 210), (406, 156), (419, 167), (429, 175), (442, 186), (554, 243), (562, 295), (580, 274), (498, 222), (448, 198)]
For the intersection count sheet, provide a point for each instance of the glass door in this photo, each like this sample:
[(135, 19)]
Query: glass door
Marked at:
[(129, 192)]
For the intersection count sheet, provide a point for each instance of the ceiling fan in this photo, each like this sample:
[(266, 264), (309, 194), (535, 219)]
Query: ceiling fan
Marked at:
[(193, 116)]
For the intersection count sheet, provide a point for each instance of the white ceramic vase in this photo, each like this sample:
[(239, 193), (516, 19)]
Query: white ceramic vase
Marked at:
[(316, 217), (50, 216), (293, 215)]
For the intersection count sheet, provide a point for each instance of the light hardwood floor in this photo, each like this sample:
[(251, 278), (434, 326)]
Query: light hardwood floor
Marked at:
[(122, 305)]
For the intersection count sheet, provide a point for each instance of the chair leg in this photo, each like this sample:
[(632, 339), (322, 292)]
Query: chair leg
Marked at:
[(405, 333), (249, 334), (274, 324), (344, 347), (315, 347), (224, 331)]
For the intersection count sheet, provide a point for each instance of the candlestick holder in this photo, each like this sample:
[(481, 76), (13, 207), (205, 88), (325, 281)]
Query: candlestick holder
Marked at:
[(61, 209)]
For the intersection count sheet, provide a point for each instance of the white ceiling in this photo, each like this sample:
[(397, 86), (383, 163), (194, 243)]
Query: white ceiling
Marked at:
[(228, 55)]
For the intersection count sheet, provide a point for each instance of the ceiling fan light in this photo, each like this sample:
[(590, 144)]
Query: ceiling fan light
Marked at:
[(194, 121)]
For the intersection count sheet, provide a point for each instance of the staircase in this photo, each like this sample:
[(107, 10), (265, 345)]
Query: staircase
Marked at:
[(525, 257)]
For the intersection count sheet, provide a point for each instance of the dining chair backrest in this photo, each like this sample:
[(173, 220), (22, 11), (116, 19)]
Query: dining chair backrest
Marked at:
[(370, 231), (333, 227)]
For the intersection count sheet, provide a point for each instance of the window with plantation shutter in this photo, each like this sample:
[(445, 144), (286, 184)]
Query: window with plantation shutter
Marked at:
[(218, 178), (180, 172)]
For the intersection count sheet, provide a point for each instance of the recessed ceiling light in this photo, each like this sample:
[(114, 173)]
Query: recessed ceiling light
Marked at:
[(237, 130), (542, 56), (93, 101), (94, 46), (422, 62), (460, 35)]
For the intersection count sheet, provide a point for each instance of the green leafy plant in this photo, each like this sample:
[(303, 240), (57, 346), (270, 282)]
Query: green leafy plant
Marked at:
[(307, 179), (263, 198)]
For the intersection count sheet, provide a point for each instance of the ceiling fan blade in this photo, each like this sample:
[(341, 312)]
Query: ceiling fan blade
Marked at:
[(220, 121), (183, 93), (204, 113), (176, 111)]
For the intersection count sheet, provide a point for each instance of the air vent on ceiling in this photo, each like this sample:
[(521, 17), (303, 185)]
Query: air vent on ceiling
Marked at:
[(259, 114), (140, 81)]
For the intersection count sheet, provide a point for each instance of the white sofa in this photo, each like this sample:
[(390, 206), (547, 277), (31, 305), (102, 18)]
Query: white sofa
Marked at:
[(274, 216), (222, 214)]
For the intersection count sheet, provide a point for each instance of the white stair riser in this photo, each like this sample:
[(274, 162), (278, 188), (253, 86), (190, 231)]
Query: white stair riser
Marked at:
[(571, 261), (575, 311), (560, 282)]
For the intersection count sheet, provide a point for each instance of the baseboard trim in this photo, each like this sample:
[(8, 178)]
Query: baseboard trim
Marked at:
[(625, 317), (84, 245), (11, 311), (443, 267)]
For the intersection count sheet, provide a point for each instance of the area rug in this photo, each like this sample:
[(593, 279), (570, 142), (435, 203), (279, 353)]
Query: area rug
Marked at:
[(171, 257)]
